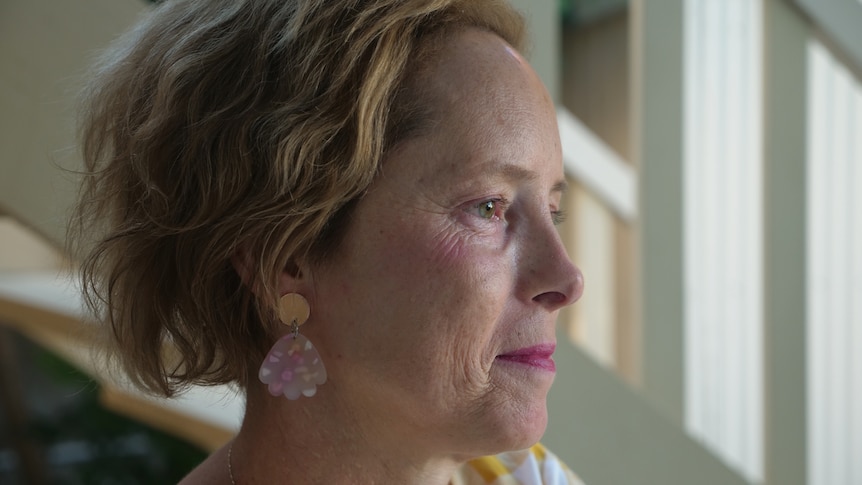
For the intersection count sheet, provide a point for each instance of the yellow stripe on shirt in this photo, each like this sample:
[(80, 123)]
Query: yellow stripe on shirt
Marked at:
[(538, 451), (489, 468)]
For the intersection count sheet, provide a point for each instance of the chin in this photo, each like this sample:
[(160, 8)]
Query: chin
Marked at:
[(531, 428), (523, 418), (517, 429)]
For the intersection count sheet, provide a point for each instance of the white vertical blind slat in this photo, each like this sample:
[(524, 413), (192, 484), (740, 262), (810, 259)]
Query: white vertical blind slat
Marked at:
[(696, 397), (816, 272), (723, 230), (834, 271), (855, 340), (838, 261)]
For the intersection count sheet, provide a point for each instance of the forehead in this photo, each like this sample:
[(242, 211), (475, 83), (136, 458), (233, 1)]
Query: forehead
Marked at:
[(486, 99), (473, 66)]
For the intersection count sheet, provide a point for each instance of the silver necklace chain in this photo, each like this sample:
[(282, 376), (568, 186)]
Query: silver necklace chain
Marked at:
[(229, 466)]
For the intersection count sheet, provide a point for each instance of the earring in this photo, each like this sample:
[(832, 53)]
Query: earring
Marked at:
[(292, 367)]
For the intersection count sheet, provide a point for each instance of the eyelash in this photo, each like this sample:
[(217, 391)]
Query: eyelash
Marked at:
[(559, 216), (501, 204)]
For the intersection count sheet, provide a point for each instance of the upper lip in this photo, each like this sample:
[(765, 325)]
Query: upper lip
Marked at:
[(544, 350)]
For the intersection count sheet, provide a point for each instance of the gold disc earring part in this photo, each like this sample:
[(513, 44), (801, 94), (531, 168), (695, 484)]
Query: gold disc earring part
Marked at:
[(293, 309)]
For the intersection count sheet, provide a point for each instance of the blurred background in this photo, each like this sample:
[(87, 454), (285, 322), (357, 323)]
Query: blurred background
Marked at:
[(715, 153)]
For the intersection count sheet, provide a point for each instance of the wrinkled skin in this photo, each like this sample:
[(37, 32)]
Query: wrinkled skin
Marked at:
[(451, 260)]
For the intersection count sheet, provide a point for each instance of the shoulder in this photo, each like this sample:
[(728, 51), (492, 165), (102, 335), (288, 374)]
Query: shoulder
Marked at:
[(212, 471), (534, 466)]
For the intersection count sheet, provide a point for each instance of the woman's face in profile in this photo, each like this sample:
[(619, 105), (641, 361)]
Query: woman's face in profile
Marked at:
[(436, 316)]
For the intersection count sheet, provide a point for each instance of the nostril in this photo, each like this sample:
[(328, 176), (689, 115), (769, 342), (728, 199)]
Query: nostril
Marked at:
[(551, 298), (566, 294)]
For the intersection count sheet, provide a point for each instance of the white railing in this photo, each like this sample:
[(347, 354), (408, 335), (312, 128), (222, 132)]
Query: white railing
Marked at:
[(588, 159)]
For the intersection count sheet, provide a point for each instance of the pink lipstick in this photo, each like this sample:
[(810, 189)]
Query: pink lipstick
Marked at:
[(538, 356)]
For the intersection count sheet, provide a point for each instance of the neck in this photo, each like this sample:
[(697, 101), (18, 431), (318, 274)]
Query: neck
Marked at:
[(318, 440)]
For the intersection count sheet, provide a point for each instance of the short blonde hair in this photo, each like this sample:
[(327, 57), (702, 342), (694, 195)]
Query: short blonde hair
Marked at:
[(253, 124)]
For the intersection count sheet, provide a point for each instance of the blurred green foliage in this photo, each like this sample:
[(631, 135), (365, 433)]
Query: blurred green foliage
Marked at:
[(76, 440)]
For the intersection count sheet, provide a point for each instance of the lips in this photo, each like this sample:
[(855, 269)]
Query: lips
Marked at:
[(537, 356)]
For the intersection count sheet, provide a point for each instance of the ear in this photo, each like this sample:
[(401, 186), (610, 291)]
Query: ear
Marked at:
[(242, 264), (292, 278)]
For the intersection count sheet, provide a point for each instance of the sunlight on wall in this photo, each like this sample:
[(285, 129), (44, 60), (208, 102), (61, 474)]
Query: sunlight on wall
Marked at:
[(723, 230), (834, 283)]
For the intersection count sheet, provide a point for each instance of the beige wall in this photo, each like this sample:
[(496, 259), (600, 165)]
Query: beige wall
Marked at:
[(21, 249), (595, 72), (595, 87), (543, 50), (45, 46)]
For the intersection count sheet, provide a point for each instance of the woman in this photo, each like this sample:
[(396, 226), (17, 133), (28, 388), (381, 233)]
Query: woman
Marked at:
[(347, 208)]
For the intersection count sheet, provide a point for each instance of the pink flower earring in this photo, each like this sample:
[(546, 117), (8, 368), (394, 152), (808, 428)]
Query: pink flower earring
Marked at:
[(292, 367)]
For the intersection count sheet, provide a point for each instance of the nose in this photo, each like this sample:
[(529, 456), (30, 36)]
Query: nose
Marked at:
[(553, 280)]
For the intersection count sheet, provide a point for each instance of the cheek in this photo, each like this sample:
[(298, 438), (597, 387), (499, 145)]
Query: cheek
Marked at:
[(473, 280), (457, 248), (430, 289), (440, 255), (448, 246)]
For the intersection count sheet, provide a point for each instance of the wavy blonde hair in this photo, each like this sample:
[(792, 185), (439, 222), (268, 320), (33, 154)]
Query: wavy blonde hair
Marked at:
[(253, 124)]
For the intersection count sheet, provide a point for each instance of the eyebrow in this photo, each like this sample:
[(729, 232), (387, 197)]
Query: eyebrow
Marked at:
[(560, 187), (516, 172)]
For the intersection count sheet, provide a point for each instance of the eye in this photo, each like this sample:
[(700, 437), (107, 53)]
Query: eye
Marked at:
[(490, 209), (487, 209)]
